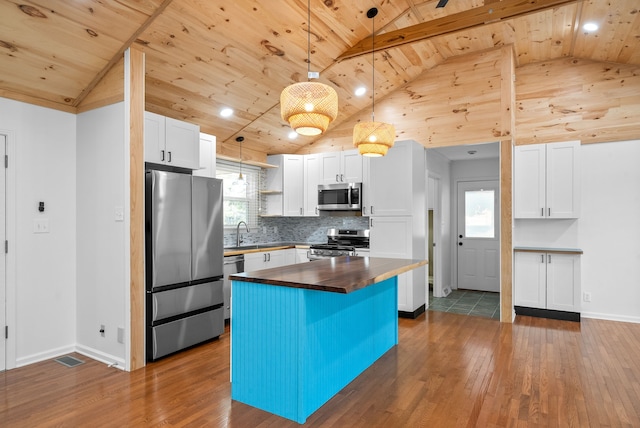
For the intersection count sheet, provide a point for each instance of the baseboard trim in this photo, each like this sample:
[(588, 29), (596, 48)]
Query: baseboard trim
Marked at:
[(547, 313), (611, 317), (412, 315)]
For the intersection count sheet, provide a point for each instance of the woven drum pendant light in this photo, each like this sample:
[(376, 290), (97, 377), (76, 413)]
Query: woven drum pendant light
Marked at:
[(309, 107), (373, 138)]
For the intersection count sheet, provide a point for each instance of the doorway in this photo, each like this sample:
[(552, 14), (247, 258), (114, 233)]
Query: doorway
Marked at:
[(478, 240), (434, 237), (3, 259)]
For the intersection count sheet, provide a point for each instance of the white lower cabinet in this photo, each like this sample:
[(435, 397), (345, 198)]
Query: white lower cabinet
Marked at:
[(392, 237), (268, 259), (301, 255), (547, 280)]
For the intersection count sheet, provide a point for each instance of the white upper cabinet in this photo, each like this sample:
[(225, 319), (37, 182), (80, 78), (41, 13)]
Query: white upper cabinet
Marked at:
[(284, 190), (293, 186), (311, 181), (547, 180), (391, 181), (341, 167), (207, 156), (171, 142)]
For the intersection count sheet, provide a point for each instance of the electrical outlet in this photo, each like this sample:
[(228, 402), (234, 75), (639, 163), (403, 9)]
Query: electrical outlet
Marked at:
[(102, 330), (275, 229), (264, 229), (120, 335), (586, 296)]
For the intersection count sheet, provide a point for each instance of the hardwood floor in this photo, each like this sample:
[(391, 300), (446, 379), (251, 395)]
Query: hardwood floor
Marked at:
[(448, 370)]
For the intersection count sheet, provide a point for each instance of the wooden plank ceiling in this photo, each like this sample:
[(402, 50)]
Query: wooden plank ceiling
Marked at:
[(203, 55)]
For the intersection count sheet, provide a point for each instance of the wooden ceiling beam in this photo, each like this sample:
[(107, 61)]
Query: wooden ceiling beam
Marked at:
[(489, 13), (118, 55)]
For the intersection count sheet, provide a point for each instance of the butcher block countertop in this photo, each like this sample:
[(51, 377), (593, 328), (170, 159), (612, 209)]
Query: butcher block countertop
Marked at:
[(337, 274)]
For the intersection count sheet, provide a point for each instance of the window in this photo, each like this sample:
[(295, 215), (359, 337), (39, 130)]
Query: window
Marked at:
[(240, 198), (479, 215)]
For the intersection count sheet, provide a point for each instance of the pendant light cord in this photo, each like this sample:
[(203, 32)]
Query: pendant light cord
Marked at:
[(308, 40), (373, 69)]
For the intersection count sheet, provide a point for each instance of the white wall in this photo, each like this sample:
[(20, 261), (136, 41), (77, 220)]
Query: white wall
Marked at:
[(102, 259), (609, 230), (41, 300)]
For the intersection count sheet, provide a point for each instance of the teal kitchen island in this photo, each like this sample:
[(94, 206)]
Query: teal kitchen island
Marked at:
[(301, 333)]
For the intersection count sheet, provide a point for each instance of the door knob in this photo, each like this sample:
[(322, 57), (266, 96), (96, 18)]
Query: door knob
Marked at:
[(460, 236), (460, 244)]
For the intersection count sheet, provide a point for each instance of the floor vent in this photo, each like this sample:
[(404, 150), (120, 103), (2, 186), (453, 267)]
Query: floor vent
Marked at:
[(69, 361)]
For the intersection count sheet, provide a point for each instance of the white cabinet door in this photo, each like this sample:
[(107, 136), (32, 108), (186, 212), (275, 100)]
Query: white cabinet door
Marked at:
[(547, 281), (275, 259), (563, 180), (529, 200), (530, 280), (563, 282), (171, 142), (301, 255), (182, 143), (351, 166), (391, 182), (547, 180), (289, 256), (154, 138), (341, 167), (330, 168), (254, 261), (207, 156), (268, 259), (366, 186), (311, 181), (391, 237), (293, 185)]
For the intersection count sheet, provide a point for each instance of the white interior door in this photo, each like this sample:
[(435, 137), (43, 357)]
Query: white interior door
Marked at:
[(478, 235), (3, 258)]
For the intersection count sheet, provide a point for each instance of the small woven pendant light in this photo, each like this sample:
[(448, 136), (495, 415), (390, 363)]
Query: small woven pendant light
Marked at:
[(373, 138), (309, 107)]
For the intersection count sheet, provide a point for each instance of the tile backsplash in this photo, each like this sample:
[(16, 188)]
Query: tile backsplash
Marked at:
[(294, 229)]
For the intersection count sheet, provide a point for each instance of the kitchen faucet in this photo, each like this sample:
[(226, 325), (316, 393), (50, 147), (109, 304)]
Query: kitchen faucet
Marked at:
[(238, 237)]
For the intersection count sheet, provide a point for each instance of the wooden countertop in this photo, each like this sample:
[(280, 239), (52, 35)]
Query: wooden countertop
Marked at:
[(261, 248), (337, 274)]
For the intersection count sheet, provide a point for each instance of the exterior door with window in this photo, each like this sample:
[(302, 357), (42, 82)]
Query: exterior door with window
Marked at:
[(478, 236)]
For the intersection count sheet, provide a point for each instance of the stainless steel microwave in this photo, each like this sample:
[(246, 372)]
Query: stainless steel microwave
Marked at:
[(340, 197)]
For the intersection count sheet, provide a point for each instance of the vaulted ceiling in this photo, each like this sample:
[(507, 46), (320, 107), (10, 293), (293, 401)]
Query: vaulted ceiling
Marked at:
[(203, 55)]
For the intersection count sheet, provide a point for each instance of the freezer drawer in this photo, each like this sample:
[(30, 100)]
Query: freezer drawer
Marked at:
[(176, 335), (166, 304)]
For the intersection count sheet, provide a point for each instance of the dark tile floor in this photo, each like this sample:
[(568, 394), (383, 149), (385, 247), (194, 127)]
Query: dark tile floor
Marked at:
[(467, 302)]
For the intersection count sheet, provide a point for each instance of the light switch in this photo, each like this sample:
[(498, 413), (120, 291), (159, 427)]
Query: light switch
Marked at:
[(41, 225), (119, 214)]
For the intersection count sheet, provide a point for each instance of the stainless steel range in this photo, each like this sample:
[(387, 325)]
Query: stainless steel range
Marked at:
[(340, 242)]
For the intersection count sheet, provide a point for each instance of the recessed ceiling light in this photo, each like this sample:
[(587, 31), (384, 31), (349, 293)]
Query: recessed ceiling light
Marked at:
[(360, 91), (226, 112), (293, 135), (590, 26)]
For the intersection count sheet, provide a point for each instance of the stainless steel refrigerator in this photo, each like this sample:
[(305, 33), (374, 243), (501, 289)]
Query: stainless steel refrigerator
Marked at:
[(183, 261)]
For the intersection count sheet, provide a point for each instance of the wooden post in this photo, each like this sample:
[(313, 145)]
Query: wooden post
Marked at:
[(136, 206)]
